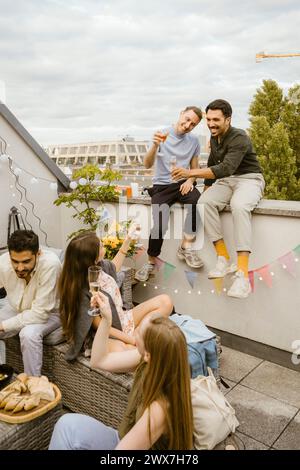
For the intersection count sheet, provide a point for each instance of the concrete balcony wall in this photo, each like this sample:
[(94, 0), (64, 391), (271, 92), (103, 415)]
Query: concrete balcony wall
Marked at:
[(40, 194), (269, 315)]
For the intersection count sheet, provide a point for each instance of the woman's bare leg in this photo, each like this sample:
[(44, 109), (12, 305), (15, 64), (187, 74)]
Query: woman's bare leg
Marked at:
[(160, 304)]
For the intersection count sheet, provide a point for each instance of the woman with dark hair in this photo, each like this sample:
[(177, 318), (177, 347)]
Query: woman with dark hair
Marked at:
[(159, 413), (83, 251)]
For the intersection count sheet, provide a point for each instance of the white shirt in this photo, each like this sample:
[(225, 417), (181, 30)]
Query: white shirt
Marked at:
[(33, 302)]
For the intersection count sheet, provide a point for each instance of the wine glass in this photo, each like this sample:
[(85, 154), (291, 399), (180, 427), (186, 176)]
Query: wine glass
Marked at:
[(93, 277), (163, 134)]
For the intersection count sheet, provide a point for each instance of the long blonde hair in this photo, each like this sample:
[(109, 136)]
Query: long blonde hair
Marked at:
[(166, 379)]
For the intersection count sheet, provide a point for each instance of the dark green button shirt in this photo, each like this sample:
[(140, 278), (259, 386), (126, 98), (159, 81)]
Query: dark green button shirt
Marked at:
[(234, 155)]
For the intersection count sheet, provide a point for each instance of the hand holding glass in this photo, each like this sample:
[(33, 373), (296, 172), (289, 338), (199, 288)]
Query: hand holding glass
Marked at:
[(93, 277), (163, 135)]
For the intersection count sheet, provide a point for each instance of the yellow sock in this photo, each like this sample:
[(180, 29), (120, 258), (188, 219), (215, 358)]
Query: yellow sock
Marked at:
[(221, 249), (242, 264)]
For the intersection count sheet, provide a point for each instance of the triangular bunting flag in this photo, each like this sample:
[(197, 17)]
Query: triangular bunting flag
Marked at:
[(159, 263), (218, 282), (297, 250), (168, 270), (191, 277), (265, 274), (288, 263), (251, 280)]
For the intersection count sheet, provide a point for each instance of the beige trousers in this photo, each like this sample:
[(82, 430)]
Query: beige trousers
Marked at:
[(243, 193)]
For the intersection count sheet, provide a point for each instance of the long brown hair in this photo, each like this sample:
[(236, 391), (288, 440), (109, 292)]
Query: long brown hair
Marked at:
[(81, 253), (166, 378)]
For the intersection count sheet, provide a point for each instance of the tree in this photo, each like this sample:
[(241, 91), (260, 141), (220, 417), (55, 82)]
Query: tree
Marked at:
[(291, 120), (268, 102), (275, 133), (279, 166)]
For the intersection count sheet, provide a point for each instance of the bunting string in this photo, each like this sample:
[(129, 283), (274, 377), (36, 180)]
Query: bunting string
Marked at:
[(288, 263)]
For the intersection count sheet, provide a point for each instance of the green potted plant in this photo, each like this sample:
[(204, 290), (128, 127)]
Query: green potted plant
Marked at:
[(85, 189)]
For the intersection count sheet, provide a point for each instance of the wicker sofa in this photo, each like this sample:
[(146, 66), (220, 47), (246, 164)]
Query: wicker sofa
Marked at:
[(85, 390), (98, 393)]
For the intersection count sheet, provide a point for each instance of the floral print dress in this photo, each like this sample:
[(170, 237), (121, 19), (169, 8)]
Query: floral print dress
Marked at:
[(109, 285)]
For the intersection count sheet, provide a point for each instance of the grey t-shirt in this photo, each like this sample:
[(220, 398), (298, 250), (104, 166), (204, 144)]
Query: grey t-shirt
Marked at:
[(182, 146)]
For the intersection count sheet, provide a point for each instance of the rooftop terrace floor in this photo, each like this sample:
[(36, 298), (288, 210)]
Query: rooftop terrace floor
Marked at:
[(266, 398)]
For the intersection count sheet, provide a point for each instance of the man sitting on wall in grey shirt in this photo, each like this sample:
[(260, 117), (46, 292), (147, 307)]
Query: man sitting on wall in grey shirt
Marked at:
[(173, 147), (29, 277), (233, 177)]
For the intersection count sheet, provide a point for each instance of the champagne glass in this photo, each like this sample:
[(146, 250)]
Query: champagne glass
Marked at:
[(93, 277), (137, 232), (136, 235)]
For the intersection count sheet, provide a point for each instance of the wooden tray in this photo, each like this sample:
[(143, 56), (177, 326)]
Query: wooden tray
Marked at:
[(25, 416)]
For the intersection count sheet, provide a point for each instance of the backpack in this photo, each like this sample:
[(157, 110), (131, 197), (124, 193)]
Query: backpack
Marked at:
[(214, 417)]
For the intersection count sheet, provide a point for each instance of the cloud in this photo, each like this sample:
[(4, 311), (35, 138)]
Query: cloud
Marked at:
[(87, 70)]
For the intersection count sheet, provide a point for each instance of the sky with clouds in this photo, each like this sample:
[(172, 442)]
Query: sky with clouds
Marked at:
[(86, 70)]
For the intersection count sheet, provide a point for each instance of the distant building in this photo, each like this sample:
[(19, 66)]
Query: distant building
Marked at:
[(203, 143), (123, 153)]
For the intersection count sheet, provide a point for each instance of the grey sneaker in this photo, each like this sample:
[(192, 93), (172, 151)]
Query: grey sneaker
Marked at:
[(144, 272), (190, 256)]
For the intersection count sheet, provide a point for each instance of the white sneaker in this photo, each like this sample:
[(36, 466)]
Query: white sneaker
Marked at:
[(222, 268), (241, 287)]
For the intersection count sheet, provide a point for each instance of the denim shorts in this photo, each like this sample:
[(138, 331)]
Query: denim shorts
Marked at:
[(202, 355)]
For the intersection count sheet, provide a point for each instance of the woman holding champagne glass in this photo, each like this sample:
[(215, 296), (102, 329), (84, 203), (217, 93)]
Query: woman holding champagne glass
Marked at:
[(83, 252)]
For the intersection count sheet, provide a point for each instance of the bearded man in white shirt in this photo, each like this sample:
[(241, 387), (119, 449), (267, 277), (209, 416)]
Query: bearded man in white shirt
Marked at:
[(29, 276)]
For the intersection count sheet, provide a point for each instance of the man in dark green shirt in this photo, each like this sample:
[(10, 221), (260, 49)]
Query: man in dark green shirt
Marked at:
[(233, 177)]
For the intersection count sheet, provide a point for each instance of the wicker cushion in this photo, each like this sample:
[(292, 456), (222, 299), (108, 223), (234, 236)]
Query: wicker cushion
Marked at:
[(97, 393)]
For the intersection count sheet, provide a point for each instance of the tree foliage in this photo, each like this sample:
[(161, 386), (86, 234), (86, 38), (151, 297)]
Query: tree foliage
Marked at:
[(275, 133)]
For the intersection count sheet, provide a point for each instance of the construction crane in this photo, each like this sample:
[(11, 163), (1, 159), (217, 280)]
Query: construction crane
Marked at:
[(261, 55)]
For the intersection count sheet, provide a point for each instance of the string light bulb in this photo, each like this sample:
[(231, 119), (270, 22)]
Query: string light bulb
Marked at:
[(73, 185), (272, 274), (260, 278), (34, 180), (17, 171), (82, 181), (284, 266), (296, 259), (4, 157)]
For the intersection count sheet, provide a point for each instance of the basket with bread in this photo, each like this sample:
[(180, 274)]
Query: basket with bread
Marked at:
[(27, 397)]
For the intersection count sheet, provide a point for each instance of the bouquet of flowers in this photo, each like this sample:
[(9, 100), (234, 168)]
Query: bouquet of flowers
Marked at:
[(114, 239)]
